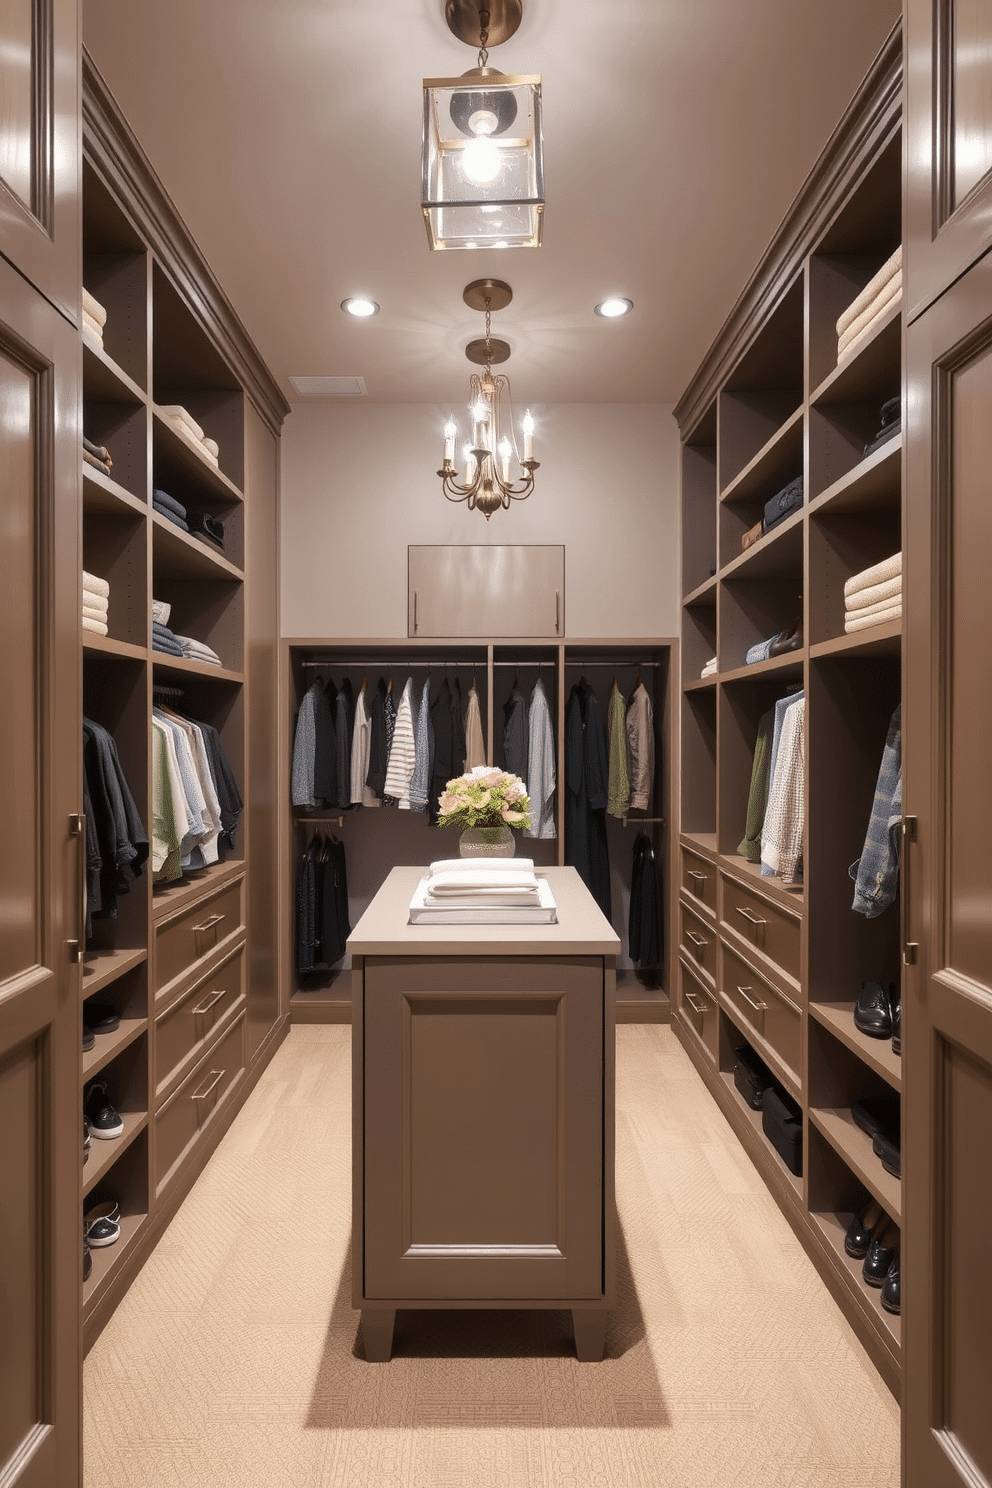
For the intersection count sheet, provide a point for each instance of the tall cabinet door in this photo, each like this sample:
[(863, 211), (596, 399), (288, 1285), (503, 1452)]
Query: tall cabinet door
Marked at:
[(947, 881), (40, 892), (39, 145), (948, 143)]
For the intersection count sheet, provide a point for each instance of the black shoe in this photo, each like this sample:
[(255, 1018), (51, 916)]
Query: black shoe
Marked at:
[(87, 1261), (103, 1224), (873, 1011), (105, 1119), (891, 1288), (89, 1038), (897, 1023), (887, 1148), (862, 1228), (86, 1140), (881, 1253), (100, 1017), (877, 1116)]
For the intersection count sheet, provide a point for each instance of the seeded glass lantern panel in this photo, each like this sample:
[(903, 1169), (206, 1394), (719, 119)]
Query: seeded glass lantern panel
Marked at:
[(483, 181)]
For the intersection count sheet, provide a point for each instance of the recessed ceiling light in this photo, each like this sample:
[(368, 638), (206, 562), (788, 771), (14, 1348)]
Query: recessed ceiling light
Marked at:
[(360, 306), (614, 306)]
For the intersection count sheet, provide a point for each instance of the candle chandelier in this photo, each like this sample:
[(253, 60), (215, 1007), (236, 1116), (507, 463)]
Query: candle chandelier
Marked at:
[(488, 482)]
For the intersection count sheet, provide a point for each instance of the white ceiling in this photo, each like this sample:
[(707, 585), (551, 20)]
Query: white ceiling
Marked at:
[(677, 132)]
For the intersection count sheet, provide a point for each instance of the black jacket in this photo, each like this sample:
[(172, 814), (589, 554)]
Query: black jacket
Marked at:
[(586, 781), (646, 928)]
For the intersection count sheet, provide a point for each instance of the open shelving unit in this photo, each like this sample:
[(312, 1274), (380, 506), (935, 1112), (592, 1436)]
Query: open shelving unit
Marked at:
[(774, 966)]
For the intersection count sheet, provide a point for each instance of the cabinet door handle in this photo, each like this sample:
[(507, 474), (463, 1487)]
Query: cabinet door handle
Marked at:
[(696, 1003), (557, 613), (77, 829), (209, 1089), (415, 612), (698, 940), (209, 1001), (699, 877), (208, 924), (909, 947), (752, 1002), (751, 917)]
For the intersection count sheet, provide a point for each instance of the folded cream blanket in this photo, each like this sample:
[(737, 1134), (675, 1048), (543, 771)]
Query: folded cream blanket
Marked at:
[(95, 585), (879, 573), (860, 621), (90, 613), (211, 446), (92, 328), (463, 883), (93, 308), (877, 609), (161, 611), (482, 865), (97, 626), (878, 307), (95, 601), (889, 269), (875, 594), (180, 415)]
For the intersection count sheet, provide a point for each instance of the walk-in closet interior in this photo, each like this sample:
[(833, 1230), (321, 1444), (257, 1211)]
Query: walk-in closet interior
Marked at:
[(503, 1175)]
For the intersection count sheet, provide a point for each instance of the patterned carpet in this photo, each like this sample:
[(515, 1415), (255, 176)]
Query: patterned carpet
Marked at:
[(233, 1359)]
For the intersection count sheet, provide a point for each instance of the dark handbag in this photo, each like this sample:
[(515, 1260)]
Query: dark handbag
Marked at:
[(783, 503), (751, 1076), (207, 526), (782, 1124)]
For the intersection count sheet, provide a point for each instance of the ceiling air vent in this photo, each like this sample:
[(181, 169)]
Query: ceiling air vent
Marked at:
[(330, 387)]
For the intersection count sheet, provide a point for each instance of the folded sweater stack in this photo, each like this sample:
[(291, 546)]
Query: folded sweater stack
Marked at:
[(195, 650), (183, 420), (96, 603), (94, 318), (165, 641), (874, 596), (860, 319), (167, 506), (97, 455), (709, 670)]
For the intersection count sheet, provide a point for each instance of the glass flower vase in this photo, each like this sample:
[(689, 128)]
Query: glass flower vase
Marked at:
[(487, 842)]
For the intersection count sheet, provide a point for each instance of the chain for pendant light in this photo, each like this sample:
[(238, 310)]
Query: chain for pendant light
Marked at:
[(483, 35)]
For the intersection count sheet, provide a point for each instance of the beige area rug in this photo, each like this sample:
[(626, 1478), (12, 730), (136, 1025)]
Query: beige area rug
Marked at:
[(233, 1359)]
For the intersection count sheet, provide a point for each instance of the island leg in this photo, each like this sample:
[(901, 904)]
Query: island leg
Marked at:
[(377, 1333), (589, 1326)]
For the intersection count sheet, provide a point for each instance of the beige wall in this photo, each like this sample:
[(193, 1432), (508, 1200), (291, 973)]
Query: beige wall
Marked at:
[(358, 486)]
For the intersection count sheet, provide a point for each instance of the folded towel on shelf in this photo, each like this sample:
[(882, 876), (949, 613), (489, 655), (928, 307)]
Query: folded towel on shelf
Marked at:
[(92, 328), (170, 516), (166, 647), (95, 584), (93, 308), (211, 446), (198, 650), (177, 414), (879, 573), (202, 524), (858, 620), (481, 865), (161, 611), (709, 669), (865, 335), (103, 465), (98, 627), (458, 882), (94, 612), (863, 599), (877, 609), (210, 458), (891, 267), (164, 499), (875, 308), (93, 601)]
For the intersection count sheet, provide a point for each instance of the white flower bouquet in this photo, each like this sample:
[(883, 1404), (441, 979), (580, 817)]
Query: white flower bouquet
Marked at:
[(484, 798)]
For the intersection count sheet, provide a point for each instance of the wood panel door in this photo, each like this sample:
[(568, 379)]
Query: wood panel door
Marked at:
[(485, 591), (40, 892), (39, 146), (947, 883), (948, 143)]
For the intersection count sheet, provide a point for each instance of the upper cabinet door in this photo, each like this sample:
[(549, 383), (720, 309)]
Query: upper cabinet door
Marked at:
[(466, 591), (949, 143), (40, 146)]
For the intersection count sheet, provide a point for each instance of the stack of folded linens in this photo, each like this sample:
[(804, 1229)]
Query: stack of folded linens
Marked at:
[(195, 650), (183, 420), (96, 603), (483, 891), (860, 319), (94, 318), (709, 670), (163, 638), (172, 510), (874, 596), (97, 455)]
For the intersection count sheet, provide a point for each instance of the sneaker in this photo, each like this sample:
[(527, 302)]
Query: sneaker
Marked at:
[(102, 1224), (105, 1120)]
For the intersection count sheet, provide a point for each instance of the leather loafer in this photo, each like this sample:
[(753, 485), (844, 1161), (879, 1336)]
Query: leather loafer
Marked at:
[(891, 1289), (875, 1116), (873, 1011), (887, 1148), (789, 640), (881, 1253), (897, 1021), (862, 1228)]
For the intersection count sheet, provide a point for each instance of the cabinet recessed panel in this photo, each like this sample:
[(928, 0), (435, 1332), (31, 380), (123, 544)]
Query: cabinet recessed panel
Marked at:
[(21, 1303), (17, 114), (970, 41), (486, 590)]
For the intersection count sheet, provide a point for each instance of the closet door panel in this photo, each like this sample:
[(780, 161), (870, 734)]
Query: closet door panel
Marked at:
[(39, 145), (472, 590), (948, 1032), (40, 892)]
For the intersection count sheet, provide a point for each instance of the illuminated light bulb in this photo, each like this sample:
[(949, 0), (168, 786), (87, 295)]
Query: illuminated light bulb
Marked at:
[(469, 464), (360, 306), (614, 307), (481, 161), (528, 427), (505, 450), (449, 443), (483, 123)]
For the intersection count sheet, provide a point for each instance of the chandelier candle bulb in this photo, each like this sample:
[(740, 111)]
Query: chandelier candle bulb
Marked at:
[(506, 450), (528, 436), (469, 465), (449, 443)]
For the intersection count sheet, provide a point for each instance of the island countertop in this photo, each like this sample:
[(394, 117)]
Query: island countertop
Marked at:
[(582, 928)]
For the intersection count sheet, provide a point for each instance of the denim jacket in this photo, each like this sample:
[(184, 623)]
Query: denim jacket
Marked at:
[(876, 873)]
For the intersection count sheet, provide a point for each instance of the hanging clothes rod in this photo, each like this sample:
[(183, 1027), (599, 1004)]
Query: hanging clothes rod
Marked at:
[(571, 661), (640, 821), (330, 821), (348, 663)]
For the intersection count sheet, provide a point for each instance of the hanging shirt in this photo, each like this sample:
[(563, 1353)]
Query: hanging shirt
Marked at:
[(618, 790), (586, 780), (640, 747), (781, 708), (475, 744), (403, 753), (515, 734), (782, 834), (876, 873), (304, 747), (423, 768), (541, 775), (361, 744), (344, 724)]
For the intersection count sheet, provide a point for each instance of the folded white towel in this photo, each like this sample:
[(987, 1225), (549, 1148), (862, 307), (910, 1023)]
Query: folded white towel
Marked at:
[(879, 573), (858, 620), (210, 459), (878, 307), (478, 898), (889, 269), (870, 330), (95, 585), (161, 611), (180, 415), (90, 612), (877, 609), (875, 594), (96, 626), (97, 605), (482, 865), (198, 650), (709, 668), (211, 446), (93, 308), (462, 883), (92, 328)]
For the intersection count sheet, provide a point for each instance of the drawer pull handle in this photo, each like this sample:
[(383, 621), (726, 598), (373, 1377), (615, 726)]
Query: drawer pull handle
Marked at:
[(208, 924), (208, 1001), (751, 917), (696, 1003), (699, 877), (752, 1002), (218, 1075), (698, 940)]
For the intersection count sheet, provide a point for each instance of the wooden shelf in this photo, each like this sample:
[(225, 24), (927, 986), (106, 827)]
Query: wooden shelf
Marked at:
[(183, 667), (753, 1118), (771, 466), (108, 1045), (704, 594), (166, 898), (857, 377), (877, 1053), (779, 551), (701, 683), (107, 1257), (873, 484), (855, 1147), (786, 668), (833, 1228), (101, 493), (108, 646), (877, 640), (104, 379), (772, 887), (785, 1076), (104, 1151), (703, 842), (100, 968), (177, 553), (183, 451)]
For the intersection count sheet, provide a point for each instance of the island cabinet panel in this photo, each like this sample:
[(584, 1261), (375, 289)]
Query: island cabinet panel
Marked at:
[(483, 1127)]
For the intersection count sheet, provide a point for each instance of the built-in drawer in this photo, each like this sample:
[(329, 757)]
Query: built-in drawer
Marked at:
[(699, 1007), (697, 940), (771, 929), (190, 935), (699, 878), (188, 1113), (758, 1005), (183, 1029)]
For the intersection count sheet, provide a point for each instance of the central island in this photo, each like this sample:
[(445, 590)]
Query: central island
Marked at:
[(483, 1113)]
